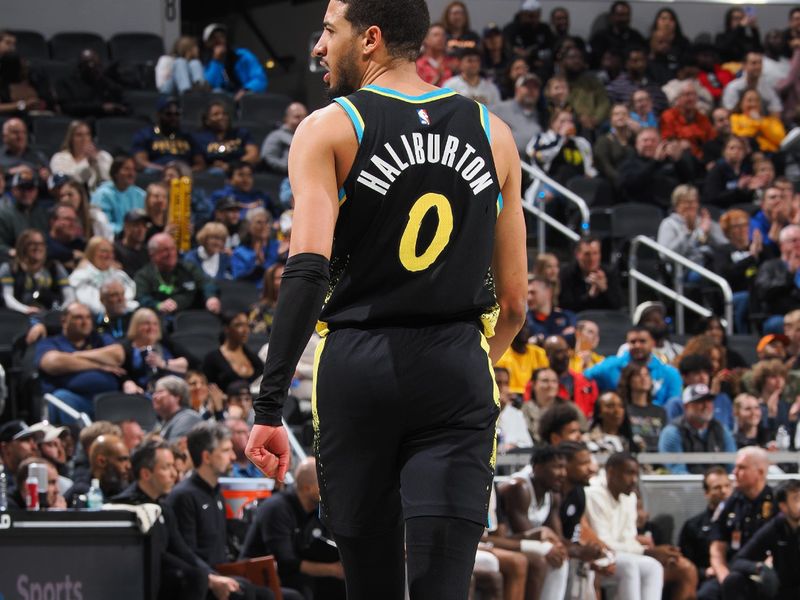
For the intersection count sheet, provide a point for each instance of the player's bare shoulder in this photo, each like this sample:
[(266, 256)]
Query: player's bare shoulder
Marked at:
[(504, 149), (326, 131)]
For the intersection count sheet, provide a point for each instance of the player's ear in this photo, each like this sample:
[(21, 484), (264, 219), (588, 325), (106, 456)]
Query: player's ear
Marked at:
[(372, 39)]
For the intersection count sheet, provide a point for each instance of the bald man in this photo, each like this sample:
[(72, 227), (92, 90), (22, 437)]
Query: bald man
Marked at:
[(739, 517), (110, 463), (287, 526), (275, 149)]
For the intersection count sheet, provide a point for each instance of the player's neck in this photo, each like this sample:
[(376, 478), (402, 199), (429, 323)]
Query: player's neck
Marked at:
[(400, 76)]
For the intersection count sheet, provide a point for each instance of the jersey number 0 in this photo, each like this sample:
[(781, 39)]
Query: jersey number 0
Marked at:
[(444, 228)]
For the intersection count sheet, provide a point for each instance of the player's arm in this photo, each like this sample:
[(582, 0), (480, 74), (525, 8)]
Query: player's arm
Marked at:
[(312, 174), (510, 260)]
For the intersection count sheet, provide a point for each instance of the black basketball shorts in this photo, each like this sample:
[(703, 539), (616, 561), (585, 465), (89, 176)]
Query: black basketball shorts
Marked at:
[(404, 422)]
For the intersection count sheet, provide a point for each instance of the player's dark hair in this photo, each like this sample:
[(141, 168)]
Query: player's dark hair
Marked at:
[(638, 329), (618, 460), (555, 418), (205, 437), (545, 454), (788, 487), (469, 51), (715, 470), (144, 457), (569, 448), (403, 23)]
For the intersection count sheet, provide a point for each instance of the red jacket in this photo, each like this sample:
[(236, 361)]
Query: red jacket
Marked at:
[(584, 392)]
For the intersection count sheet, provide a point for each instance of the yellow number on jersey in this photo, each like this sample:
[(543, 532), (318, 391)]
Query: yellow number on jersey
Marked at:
[(444, 228)]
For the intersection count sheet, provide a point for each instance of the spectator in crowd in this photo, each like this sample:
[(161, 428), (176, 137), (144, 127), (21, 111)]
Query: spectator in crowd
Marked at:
[(751, 78), (171, 404), (693, 539), (233, 70), (685, 122), (228, 212), (792, 32), (168, 285), (204, 529), (240, 400), (749, 429), (274, 531), (154, 475), (611, 510), (739, 517), (655, 170), (776, 63), (156, 207), (711, 75), (120, 195), (233, 360), (219, 144), (496, 55), (748, 121), (8, 42), (521, 113), (115, 316), (241, 188), (737, 261), (774, 216), (64, 240), (528, 505), (469, 82), (262, 313), (640, 345), (730, 181), (653, 316), (560, 26), (556, 95), (788, 88), (16, 152), (275, 149), (689, 230), (511, 421), (739, 37), (642, 113), (241, 467), (791, 329), (618, 35), (80, 158), (70, 378), (204, 398), (32, 283), (547, 267), (181, 71), (258, 249), (455, 19), (527, 36), (132, 434), (712, 326), (666, 23), (544, 318), (54, 498), (434, 65), (697, 367), (544, 394), (768, 382), (27, 211), (586, 284), (572, 386), (560, 423), (633, 78), (587, 96), (154, 147), (517, 67), (587, 338), (23, 91), (17, 443), (613, 148), (775, 283), (92, 219), (610, 428), (89, 92), (210, 255), (778, 541), (696, 431), (635, 389), (96, 269), (110, 464), (129, 249)]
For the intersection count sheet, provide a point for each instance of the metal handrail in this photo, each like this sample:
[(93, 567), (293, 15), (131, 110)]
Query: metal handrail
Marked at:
[(67, 409), (677, 294), (534, 204), (519, 458)]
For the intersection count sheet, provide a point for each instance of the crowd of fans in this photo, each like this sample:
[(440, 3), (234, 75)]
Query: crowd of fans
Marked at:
[(698, 130)]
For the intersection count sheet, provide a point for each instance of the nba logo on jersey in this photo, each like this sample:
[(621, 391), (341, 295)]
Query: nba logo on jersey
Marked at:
[(423, 116)]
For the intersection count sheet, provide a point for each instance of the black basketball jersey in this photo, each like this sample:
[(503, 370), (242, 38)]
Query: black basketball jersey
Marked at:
[(415, 234)]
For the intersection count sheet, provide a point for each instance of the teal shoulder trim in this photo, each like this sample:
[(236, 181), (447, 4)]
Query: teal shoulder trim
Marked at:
[(355, 116), (499, 202), (487, 127)]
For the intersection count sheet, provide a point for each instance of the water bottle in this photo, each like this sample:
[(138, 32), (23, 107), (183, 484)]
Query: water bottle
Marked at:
[(3, 490), (782, 441), (94, 497)]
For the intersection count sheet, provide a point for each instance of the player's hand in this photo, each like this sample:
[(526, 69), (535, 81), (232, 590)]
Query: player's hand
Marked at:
[(556, 557), (268, 449), (587, 552)]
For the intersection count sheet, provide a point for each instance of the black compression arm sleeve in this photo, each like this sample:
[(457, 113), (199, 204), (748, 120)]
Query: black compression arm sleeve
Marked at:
[(303, 288)]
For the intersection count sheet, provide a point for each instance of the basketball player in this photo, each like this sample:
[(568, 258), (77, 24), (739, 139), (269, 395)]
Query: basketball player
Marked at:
[(408, 227)]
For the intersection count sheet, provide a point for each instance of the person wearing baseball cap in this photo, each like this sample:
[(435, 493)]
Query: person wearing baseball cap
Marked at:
[(521, 113), (527, 35), (154, 147), (26, 212), (17, 442), (696, 431), (235, 70)]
